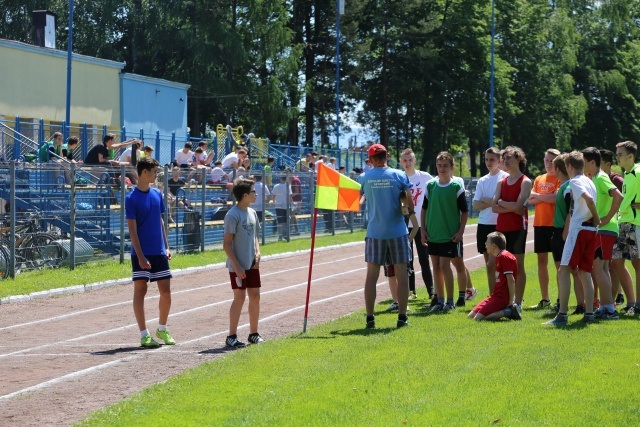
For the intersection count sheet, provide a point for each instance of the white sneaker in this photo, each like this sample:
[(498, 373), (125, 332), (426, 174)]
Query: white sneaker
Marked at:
[(470, 294)]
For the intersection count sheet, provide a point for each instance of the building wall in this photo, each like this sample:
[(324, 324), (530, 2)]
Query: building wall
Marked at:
[(33, 83), (153, 105)]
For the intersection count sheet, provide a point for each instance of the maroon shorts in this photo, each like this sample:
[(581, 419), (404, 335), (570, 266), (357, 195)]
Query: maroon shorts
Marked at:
[(492, 304), (604, 246), (251, 281)]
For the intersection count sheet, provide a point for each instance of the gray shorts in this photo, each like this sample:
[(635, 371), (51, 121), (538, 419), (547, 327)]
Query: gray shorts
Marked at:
[(394, 251)]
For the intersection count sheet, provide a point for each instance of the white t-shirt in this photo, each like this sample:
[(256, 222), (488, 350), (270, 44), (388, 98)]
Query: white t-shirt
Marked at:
[(280, 193), (259, 189), (216, 174), (126, 155), (229, 160), (485, 188), (579, 185), (418, 187), (331, 165), (183, 158)]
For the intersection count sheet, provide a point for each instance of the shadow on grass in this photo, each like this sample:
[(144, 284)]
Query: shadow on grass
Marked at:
[(220, 350), (363, 332)]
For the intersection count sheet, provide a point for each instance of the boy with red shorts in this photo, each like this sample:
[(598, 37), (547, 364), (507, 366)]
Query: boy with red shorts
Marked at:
[(240, 243), (580, 244), (499, 303)]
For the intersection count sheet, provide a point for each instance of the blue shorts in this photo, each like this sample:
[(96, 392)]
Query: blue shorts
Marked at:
[(393, 251), (159, 269)]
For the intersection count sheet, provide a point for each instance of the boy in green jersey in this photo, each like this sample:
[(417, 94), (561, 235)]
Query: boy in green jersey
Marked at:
[(626, 246), (607, 203)]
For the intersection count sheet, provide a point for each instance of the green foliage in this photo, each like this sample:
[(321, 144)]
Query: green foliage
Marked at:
[(442, 370)]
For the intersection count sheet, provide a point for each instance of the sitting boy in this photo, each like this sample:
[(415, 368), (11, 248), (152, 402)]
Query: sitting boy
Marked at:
[(499, 303)]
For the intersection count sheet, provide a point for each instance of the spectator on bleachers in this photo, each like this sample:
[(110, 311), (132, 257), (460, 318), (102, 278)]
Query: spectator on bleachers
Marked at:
[(147, 151), (176, 183), (217, 175), (52, 148), (303, 164), (343, 170), (267, 170), (184, 158), (281, 195), (99, 154), (67, 156), (332, 163), (246, 163), (234, 160), (204, 158), (260, 188), (129, 157), (199, 165)]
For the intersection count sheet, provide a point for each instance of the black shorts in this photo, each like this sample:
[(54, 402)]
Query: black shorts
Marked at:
[(557, 244), (281, 214), (542, 236), (516, 241), (447, 249), (159, 269), (481, 236)]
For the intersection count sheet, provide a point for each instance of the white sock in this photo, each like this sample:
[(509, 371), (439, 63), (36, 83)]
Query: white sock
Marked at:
[(143, 333), (162, 327)]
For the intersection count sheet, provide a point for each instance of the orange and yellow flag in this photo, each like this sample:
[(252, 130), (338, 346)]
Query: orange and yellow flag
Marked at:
[(335, 191)]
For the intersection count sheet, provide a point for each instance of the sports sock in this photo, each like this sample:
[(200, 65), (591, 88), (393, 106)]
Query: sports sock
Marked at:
[(461, 294), (449, 300), (143, 333), (162, 327), (562, 314), (402, 317), (441, 300)]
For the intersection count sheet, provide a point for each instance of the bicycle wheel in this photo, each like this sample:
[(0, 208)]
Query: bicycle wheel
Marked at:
[(33, 248), (4, 262)]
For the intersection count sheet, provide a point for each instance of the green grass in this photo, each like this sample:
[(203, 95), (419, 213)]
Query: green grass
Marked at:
[(443, 370), (34, 281)]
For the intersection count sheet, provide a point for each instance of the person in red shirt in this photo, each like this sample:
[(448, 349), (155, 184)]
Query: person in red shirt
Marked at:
[(510, 203), (498, 304)]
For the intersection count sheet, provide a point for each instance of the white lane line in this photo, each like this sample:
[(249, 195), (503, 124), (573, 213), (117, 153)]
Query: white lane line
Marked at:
[(182, 291), (180, 313), (91, 369)]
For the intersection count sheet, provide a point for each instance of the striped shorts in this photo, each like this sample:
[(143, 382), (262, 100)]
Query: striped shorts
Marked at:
[(159, 269), (395, 251)]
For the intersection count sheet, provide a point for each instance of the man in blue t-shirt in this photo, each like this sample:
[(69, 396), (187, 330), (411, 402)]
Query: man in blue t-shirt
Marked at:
[(386, 231), (150, 253)]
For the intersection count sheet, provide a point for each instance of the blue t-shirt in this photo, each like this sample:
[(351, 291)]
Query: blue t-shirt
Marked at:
[(382, 187), (147, 209)]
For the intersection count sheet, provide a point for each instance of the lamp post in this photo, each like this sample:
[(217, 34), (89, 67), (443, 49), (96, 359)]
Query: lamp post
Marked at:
[(492, 72), (65, 131), (339, 11)]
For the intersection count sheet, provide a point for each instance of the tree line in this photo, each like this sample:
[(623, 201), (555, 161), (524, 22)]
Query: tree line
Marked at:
[(567, 72)]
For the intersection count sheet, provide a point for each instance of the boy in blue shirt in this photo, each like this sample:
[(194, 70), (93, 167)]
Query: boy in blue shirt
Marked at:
[(150, 253)]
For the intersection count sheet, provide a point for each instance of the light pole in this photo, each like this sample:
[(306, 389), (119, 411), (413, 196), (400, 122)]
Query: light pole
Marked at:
[(492, 72), (339, 11), (65, 131)]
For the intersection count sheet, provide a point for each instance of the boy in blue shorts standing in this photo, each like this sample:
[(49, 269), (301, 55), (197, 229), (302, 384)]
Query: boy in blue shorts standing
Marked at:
[(387, 234), (240, 243), (150, 253)]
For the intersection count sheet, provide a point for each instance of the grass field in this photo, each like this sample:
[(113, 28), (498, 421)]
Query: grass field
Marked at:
[(444, 370)]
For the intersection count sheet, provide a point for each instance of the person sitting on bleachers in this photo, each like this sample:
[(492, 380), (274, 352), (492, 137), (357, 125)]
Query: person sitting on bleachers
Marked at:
[(217, 175), (184, 158), (176, 183)]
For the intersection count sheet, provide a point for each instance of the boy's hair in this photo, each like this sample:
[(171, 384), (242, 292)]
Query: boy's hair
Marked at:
[(592, 153), (202, 144), (199, 150), (242, 151), (332, 159), (407, 152), (270, 159), (343, 167), (241, 186), (257, 178), (575, 160), (188, 145), (498, 239), (108, 137), (283, 178), (629, 146), (218, 163), (606, 156), (559, 164), (175, 169), (493, 150), (445, 155), (146, 163), (55, 135), (148, 148), (380, 157), (518, 154), (552, 151), (73, 140)]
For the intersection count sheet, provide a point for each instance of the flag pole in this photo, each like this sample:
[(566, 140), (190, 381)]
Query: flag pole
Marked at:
[(313, 243)]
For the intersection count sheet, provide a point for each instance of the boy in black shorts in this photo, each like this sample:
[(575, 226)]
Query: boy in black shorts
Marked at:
[(150, 253)]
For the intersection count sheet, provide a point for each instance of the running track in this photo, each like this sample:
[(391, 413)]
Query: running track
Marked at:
[(63, 358)]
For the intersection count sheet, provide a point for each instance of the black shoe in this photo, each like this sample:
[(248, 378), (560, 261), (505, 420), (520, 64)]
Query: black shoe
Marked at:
[(620, 299), (460, 302), (434, 301), (516, 312), (579, 310), (371, 322), (255, 338), (232, 341), (587, 318), (402, 323)]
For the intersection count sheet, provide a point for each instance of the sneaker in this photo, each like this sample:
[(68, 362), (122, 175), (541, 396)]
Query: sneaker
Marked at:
[(587, 318), (556, 307), (579, 310), (448, 307), (470, 294), (232, 341), (460, 302), (620, 299), (596, 305), (149, 342), (627, 308), (543, 304), (438, 308), (166, 337), (255, 338), (433, 303), (402, 323), (516, 312), (392, 307), (603, 314), (559, 320), (631, 311), (412, 295), (371, 324)]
